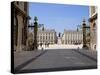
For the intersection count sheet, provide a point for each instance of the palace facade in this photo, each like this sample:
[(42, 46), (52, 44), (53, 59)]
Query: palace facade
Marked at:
[(20, 14), (93, 27), (46, 36), (72, 37)]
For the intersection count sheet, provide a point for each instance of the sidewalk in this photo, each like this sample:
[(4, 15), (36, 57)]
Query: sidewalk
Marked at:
[(60, 59), (92, 54), (25, 57)]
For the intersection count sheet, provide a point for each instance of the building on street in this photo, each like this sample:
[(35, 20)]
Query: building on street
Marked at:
[(20, 11), (72, 37), (93, 27), (45, 36)]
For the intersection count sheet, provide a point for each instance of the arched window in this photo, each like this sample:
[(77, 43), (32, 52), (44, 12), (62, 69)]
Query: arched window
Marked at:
[(94, 27), (15, 29)]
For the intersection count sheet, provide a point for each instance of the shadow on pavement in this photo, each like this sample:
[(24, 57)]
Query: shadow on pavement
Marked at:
[(85, 55), (19, 67), (57, 69)]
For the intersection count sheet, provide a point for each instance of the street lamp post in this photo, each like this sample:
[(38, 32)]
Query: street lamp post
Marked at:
[(84, 34), (35, 33), (84, 27), (35, 26)]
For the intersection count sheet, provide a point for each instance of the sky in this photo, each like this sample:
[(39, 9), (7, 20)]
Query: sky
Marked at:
[(59, 16)]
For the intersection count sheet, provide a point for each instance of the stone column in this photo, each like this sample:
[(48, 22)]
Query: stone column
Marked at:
[(19, 41)]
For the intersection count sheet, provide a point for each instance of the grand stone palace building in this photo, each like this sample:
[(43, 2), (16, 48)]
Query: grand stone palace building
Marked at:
[(72, 37), (50, 36), (46, 36), (20, 13), (93, 27)]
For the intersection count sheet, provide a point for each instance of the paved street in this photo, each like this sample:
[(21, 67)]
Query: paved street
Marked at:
[(22, 57), (58, 59)]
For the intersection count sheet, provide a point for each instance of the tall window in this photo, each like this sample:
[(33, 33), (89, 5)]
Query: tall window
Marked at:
[(92, 10), (25, 6), (15, 29), (46, 36)]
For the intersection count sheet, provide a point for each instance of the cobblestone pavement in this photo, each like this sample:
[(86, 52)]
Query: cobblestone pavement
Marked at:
[(25, 56), (58, 59)]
